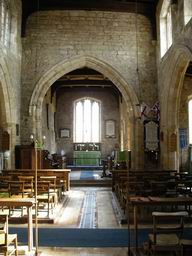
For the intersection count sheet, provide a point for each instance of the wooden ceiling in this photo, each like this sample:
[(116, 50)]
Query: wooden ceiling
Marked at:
[(145, 7), (84, 77)]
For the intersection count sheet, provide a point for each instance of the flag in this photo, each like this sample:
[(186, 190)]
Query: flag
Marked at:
[(145, 109), (156, 110)]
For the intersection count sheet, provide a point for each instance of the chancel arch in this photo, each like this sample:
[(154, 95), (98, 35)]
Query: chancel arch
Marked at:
[(129, 96)]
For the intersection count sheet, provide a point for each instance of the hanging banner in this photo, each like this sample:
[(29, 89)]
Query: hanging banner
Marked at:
[(148, 113), (156, 110), (145, 109), (183, 138)]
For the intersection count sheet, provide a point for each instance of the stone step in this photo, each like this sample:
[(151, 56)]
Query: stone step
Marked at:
[(83, 168), (107, 183)]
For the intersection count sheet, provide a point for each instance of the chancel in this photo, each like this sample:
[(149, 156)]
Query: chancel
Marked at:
[(108, 84)]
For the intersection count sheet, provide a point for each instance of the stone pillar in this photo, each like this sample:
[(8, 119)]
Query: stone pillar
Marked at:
[(9, 155), (169, 149), (137, 145)]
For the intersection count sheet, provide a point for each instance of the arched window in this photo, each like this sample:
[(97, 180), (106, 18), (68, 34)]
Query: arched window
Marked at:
[(5, 22), (87, 120), (190, 120), (165, 27), (187, 11)]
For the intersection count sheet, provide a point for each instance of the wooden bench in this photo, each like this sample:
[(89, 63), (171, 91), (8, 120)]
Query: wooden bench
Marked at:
[(62, 175)]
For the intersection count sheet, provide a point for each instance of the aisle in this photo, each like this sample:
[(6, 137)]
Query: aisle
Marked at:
[(89, 207)]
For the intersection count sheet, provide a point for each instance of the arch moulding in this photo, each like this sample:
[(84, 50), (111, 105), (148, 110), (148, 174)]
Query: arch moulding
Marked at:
[(62, 68), (170, 100), (6, 105)]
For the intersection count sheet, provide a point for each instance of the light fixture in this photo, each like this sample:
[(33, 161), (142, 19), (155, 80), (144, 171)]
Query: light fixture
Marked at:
[(38, 146), (138, 106), (137, 54)]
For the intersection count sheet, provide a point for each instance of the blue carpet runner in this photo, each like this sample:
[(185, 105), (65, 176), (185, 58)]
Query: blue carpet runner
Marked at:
[(61, 237), (88, 214)]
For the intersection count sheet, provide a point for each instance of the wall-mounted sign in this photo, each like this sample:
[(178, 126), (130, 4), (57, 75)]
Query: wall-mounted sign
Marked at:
[(64, 133), (110, 129)]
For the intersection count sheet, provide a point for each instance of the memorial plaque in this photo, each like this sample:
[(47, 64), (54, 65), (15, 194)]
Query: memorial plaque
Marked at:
[(110, 129), (151, 136)]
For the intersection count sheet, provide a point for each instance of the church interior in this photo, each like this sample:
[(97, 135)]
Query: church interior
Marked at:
[(95, 127)]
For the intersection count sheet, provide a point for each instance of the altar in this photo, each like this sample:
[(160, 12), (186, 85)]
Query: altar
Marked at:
[(91, 158)]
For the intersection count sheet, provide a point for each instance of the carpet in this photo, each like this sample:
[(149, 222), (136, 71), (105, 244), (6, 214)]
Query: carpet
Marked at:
[(61, 237), (88, 175), (88, 212)]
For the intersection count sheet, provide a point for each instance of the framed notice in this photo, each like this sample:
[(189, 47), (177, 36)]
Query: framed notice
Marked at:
[(110, 129), (64, 133)]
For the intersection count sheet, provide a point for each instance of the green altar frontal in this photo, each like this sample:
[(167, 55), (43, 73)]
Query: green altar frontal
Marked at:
[(87, 157)]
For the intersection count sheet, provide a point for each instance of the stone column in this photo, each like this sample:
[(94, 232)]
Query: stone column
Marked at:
[(137, 145), (9, 155)]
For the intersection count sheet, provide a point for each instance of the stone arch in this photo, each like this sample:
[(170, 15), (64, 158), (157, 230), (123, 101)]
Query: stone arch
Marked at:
[(6, 109), (35, 107), (170, 98), (5, 93)]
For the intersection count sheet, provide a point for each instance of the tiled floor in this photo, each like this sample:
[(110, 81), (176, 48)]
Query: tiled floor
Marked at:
[(69, 217), (97, 203)]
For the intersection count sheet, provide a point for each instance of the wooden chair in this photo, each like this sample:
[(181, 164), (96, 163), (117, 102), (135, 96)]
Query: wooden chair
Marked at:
[(166, 237), (186, 246), (44, 195), (8, 242), (53, 190), (28, 182), (4, 186)]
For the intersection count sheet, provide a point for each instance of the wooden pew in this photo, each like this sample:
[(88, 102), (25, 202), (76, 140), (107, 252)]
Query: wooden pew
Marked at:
[(62, 175), (142, 183)]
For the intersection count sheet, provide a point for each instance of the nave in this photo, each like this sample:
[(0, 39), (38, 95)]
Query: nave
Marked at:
[(88, 220)]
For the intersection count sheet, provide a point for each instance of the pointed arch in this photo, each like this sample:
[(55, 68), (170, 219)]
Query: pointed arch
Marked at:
[(7, 108), (62, 68), (170, 99), (79, 62), (5, 92)]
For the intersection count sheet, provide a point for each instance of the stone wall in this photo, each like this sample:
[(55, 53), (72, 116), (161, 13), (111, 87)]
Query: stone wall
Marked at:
[(107, 36), (64, 116)]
